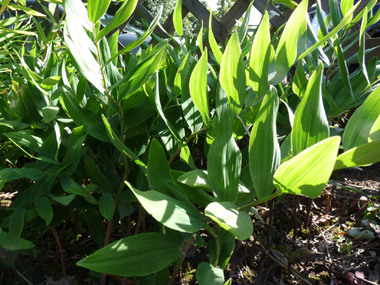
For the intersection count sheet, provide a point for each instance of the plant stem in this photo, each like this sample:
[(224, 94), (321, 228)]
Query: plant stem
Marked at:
[(270, 223), (138, 224), (258, 202), (22, 276), (308, 210), (295, 204), (178, 266), (171, 159), (60, 253), (217, 240)]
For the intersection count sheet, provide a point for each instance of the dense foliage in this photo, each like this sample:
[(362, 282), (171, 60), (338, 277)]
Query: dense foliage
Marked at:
[(194, 137)]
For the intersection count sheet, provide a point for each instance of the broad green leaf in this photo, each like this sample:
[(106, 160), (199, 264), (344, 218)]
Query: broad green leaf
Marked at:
[(232, 74), (195, 194), (64, 200), (374, 133), (122, 147), (141, 73), (374, 19), (213, 44), (12, 242), (346, 6), (177, 18), (96, 9), (181, 87), (10, 174), (17, 222), (107, 206), (27, 10), (264, 150), (244, 26), (186, 157), (288, 3), (96, 176), (170, 127), (168, 211), (361, 53), (262, 54), (26, 139), (138, 255), (343, 67), (308, 172), (329, 35), (83, 117), (207, 274), (310, 121), (49, 113), (336, 16), (141, 39), (225, 157), (13, 20), (44, 209), (358, 129), (96, 227), (286, 51), (363, 155), (198, 88), (196, 178), (124, 12), (79, 45), (200, 39), (227, 215), (158, 168), (71, 187)]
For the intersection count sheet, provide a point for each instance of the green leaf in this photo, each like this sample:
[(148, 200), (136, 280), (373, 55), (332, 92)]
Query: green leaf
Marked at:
[(310, 121), (286, 51), (26, 138), (96, 9), (71, 187), (196, 178), (27, 10), (96, 227), (199, 38), (17, 222), (10, 174), (78, 43), (44, 209), (343, 67), (262, 54), (83, 117), (361, 53), (181, 86), (186, 157), (307, 173), (158, 168), (198, 88), (107, 206), (232, 74), (141, 73), (244, 26), (329, 35), (213, 45), (363, 155), (12, 20), (358, 129), (177, 18), (264, 150), (346, 6), (49, 113), (226, 214), (169, 211), (207, 274), (122, 147), (124, 12), (64, 200), (138, 255), (96, 176), (225, 157), (192, 191), (12, 242), (141, 39)]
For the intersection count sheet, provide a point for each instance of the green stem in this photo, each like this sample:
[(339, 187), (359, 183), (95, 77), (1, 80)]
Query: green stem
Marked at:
[(217, 240), (258, 202), (171, 159), (178, 266), (4, 6)]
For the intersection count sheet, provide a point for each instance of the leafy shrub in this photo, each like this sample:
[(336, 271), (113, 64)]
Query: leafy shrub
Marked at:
[(197, 137)]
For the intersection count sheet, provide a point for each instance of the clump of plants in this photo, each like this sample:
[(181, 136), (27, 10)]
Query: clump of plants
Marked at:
[(194, 137)]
